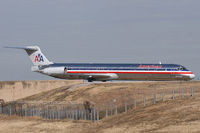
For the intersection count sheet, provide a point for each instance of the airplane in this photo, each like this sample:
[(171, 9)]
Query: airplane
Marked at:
[(106, 71)]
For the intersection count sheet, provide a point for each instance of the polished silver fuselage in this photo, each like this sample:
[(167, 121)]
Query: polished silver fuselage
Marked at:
[(104, 72), (140, 77)]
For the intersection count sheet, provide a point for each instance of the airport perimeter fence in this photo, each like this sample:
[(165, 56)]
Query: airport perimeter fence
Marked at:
[(90, 111)]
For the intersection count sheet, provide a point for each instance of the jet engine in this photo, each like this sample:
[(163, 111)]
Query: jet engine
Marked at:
[(54, 70)]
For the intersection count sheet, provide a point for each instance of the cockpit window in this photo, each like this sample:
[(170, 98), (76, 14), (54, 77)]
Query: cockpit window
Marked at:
[(181, 68)]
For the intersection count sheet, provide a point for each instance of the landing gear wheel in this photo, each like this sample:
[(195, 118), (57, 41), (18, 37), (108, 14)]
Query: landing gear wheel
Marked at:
[(90, 80)]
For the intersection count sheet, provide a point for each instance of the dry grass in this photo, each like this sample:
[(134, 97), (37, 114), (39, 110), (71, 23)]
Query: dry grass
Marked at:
[(102, 94), (13, 90), (181, 115)]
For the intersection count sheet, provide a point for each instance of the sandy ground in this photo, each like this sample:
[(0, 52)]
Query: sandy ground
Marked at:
[(181, 115), (13, 90), (102, 94)]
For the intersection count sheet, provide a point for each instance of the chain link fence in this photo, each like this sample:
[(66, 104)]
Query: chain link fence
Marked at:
[(61, 110)]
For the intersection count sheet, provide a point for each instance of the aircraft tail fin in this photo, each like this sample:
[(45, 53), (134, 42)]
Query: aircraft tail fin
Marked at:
[(35, 54)]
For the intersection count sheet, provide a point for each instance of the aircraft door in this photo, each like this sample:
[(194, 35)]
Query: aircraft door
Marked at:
[(65, 70)]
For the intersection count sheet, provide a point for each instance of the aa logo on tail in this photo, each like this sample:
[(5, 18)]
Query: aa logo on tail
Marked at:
[(39, 58)]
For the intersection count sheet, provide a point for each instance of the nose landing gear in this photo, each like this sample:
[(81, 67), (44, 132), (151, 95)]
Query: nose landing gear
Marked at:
[(65, 70)]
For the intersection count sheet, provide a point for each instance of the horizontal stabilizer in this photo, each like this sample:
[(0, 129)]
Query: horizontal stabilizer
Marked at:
[(25, 48), (35, 54)]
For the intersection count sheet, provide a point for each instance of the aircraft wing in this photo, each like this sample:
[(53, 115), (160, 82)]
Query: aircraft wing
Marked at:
[(100, 76)]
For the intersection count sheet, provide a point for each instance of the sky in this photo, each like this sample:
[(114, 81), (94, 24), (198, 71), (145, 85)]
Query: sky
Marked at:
[(99, 31)]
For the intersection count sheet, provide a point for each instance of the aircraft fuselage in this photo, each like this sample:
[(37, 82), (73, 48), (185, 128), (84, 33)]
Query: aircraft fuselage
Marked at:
[(103, 72)]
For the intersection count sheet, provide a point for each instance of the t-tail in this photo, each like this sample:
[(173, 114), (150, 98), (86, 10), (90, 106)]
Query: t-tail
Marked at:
[(35, 54)]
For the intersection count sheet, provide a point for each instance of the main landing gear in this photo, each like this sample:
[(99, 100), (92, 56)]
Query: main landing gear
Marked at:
[(91, 80)]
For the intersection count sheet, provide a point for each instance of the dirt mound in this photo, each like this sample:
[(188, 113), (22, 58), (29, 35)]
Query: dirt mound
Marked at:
[(13, 90), (181, 115), (103, 94)]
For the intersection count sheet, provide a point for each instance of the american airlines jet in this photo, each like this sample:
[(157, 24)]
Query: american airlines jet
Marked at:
[(104, 71)]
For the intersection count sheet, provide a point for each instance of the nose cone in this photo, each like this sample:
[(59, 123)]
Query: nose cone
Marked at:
[(192, 76)]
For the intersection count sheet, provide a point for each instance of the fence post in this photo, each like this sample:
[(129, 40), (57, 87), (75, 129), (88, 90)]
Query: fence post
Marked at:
[(144, 101), (154, 98), (73, 114), (97, 115), (88, 115), (129, 107), (36, 111), (70, 114), (125, 107), (55, 113), (173, 97), (66, 112), (182, 92), (91, 115), (76, 114), (115, 109), (106, 112), (135, 102), (62, 114), (111, 109), (52, 114), (85, 115), (59, 114), (31, 111), (82, 115), (25, 112), (163, 96), (94, 115), (49, 114), (10, 110), (39, 112), (79, 113), (1, 108), (43, 113), (192, 92)]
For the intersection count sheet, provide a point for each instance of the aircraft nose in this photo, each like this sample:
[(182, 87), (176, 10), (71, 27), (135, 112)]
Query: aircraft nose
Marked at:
[(192, 76)]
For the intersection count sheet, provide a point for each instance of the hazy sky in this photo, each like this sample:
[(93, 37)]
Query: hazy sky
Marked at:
[(115, 31)]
